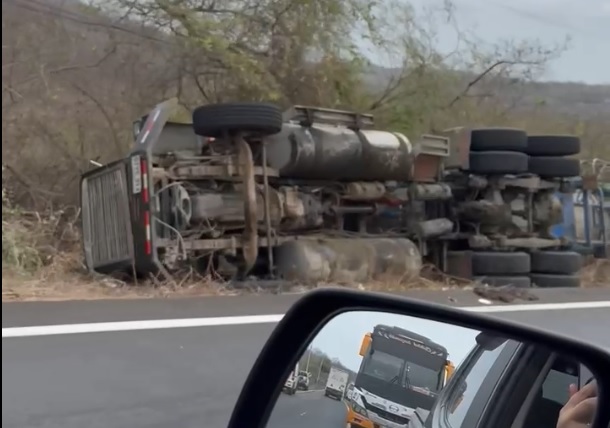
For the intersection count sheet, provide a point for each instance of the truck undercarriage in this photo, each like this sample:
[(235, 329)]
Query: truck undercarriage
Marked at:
[(317, 195)]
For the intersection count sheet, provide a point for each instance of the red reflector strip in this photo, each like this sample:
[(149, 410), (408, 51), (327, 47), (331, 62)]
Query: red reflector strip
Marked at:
[(147, 242), (145, 195), (145, 200)]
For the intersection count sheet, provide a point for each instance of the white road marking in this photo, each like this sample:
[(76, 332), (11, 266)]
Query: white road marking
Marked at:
[(539, 307), (53, 330), (99, 327)]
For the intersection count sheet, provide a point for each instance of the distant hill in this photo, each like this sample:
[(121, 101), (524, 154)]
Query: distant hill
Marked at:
[(577, 99)]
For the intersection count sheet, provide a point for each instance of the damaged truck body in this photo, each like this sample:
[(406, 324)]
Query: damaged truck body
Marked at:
[(317, 195)]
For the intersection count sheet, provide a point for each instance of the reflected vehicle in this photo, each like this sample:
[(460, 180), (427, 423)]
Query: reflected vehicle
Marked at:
[(291, 384), (303, 380), (349, 392), (336, 383), (398, 371)]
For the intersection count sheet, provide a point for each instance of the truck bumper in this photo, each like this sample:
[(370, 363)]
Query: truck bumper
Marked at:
[(333, 393)]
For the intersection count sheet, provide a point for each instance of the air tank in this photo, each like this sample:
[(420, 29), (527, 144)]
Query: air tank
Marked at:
[(348, 260), (327, 152)]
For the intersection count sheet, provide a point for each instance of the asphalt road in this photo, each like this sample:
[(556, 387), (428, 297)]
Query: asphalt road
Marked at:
[(307, 410), (183, 377)]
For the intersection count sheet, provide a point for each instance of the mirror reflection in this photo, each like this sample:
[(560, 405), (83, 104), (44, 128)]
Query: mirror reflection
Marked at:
[(376, 370)]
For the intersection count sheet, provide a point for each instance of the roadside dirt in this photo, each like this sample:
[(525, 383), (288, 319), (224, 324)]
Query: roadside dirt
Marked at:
[(596, 274), (61, 285), (67, 283), (77, 286)]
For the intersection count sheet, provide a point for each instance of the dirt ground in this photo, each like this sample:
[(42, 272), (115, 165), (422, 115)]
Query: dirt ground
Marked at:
[(83, 287), (67, 283)]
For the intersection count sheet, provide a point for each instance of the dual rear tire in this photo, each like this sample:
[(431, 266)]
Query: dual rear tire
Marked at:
[(499, 151), (544, 269)]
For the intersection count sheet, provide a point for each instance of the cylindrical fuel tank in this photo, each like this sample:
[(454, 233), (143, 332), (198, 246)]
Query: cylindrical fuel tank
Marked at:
[(313, 260), (323, 152)]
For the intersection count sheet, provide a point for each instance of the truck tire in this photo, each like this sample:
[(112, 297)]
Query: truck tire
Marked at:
[(498, 163), (213, 120), (498, 139), (556, 262), (544, 280), (501, 281), (553, 145), (497, 263), (554, 167)]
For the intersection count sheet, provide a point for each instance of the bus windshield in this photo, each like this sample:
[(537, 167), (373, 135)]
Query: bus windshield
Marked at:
[(399, 371)]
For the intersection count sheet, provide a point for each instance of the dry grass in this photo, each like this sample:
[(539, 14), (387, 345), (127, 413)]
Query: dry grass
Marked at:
[(67, 279), (596, 274), (81, 287)]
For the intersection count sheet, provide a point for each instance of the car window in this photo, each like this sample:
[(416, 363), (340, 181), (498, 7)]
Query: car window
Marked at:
[(556, 386), (464, 392), (552, 395)]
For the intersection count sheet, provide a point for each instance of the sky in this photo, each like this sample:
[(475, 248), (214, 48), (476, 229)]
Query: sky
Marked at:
[(342, 336), (586, 22)]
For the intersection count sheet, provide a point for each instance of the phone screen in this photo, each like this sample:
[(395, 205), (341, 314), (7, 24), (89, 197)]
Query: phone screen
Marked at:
[(584, 376)]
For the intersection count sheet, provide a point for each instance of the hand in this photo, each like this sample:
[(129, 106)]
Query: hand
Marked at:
[(580, 409)]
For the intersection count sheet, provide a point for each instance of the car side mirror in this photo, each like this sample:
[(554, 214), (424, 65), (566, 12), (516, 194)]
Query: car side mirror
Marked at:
[(402, 377)]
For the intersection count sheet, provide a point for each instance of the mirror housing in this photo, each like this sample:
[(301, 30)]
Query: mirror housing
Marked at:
[(308, 316)]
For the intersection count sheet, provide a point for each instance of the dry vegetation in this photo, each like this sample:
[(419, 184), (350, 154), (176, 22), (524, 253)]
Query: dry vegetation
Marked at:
[(74, 76)]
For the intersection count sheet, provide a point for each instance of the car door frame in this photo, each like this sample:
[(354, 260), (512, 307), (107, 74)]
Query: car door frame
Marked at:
[(498, 386)]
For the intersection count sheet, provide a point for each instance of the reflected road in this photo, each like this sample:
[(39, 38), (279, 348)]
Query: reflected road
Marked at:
[(308, 410)]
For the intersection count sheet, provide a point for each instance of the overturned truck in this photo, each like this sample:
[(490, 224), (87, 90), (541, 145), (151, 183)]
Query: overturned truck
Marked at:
[(318, 195)]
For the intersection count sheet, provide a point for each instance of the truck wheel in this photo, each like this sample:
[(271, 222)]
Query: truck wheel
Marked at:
[(501, 281), (553, 145), (544, 280), (556, 262), (498, 163), (498, 139), (496, 263), (213, 120), (551, 166)]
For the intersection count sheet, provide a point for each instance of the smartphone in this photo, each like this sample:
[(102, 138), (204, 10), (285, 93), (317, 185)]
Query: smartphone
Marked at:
[(584, 376)]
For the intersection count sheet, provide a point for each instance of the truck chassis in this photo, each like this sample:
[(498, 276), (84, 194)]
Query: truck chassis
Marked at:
[(318, 195)]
